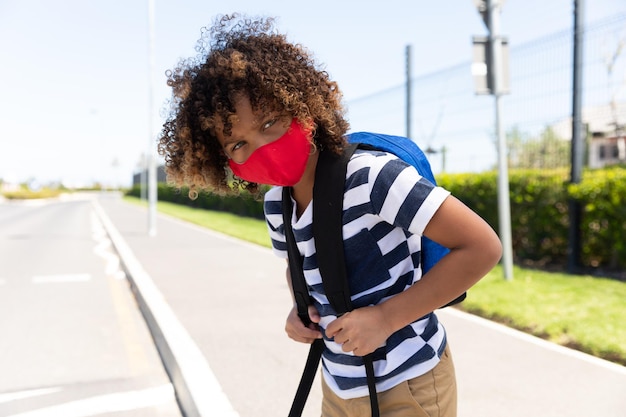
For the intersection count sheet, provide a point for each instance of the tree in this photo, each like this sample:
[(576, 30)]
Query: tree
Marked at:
[(546, 151)]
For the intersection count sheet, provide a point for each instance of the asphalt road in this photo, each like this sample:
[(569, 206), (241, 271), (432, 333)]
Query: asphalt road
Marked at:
[(72, 341)]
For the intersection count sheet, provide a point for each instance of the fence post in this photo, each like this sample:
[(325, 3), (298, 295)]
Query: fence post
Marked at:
[(575, 210)]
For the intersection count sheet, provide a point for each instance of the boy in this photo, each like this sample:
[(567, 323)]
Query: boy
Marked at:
[(255, 108)]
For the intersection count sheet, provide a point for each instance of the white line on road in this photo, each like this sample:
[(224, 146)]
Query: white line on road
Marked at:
[(12, 396), (104, 249), (201, 388), (54, 279), (110, 403)]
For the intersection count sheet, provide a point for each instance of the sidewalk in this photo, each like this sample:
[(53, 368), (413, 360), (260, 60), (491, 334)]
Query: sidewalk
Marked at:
[(217, 307)]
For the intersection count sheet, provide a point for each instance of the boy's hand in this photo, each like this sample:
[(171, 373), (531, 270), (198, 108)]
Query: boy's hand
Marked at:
[(297, 331), (360, 331)]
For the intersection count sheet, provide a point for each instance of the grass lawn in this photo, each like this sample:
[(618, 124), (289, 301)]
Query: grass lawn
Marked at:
[(581, 312), (26, 194)]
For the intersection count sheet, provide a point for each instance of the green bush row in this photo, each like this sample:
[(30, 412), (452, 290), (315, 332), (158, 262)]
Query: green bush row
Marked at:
[(539, 211), (603, 196), (242, 205), (27, 194)]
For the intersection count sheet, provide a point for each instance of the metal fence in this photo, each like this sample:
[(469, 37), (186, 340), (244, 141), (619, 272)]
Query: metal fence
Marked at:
[(457, 125)]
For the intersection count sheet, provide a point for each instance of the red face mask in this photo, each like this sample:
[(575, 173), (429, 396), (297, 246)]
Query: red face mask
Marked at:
[(281, 162)]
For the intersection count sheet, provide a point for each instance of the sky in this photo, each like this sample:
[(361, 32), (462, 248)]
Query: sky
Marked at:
[(81, 103)]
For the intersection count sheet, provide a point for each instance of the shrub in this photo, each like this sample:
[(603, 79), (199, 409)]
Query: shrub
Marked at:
[(244, 204), (602, 193), (539, 211)]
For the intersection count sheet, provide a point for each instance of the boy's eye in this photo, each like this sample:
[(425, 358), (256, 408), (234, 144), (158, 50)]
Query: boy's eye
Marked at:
[(269, 124), (237, 146)]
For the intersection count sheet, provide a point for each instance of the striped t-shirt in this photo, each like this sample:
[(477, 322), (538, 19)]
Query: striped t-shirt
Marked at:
[(386, 207)]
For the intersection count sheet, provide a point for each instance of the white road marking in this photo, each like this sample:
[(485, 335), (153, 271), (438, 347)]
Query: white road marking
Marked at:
[(110, 403), (3, 281), (202, 386), (12, 396), (104, 249), (60, 278)]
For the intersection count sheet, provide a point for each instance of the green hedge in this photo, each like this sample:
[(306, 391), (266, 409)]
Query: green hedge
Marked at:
[(27, 194), (603, 196), (539, 211), (242, 205)]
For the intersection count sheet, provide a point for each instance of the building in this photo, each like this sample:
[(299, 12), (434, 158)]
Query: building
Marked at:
[(606, 129)]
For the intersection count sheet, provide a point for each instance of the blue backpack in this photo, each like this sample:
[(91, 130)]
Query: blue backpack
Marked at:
[(409, 152), (328, 191)]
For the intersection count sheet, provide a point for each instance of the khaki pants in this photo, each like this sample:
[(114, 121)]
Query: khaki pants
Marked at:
[(430, 395)]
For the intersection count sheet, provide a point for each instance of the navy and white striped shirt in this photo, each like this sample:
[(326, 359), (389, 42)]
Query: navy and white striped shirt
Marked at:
[(386, 207)]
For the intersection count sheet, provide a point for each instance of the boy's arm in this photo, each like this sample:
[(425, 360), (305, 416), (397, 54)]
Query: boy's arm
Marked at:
[(294, 327), (474, 250)]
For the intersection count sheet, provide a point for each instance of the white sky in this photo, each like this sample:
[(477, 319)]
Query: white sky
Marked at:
[(75, 80)]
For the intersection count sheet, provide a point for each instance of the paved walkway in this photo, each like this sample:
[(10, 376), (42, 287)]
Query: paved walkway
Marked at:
[(217, 308)]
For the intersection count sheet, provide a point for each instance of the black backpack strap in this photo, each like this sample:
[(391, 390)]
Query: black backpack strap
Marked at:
[(371, 384), (308, 376), (328, 192), (303, 300), (298, 283)]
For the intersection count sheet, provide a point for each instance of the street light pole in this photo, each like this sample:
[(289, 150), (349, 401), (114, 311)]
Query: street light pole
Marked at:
[(152, 168), (504, 205), (408, 90)]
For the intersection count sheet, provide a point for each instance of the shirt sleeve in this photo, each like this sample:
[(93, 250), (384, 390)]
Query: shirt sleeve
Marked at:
[(272, 207), (400, 195)]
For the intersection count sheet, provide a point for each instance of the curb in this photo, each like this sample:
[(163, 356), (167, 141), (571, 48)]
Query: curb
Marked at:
[(197, 390)]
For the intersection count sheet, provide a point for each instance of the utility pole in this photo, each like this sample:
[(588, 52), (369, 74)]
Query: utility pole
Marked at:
[(152, 168), (494, 70), (408, 91), (143, 177), (575, 210)]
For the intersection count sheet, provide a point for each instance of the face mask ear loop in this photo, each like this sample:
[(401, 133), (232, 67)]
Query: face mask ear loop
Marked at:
[(311, 134)]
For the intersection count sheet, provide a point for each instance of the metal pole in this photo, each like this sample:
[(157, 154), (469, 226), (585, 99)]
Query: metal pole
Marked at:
[(142, 178), (408, 91), (504, 209), (443, 158), (152, 168), (575, 210)]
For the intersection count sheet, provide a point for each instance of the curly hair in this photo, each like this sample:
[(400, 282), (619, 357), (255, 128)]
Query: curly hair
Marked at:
[(239, 56)]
